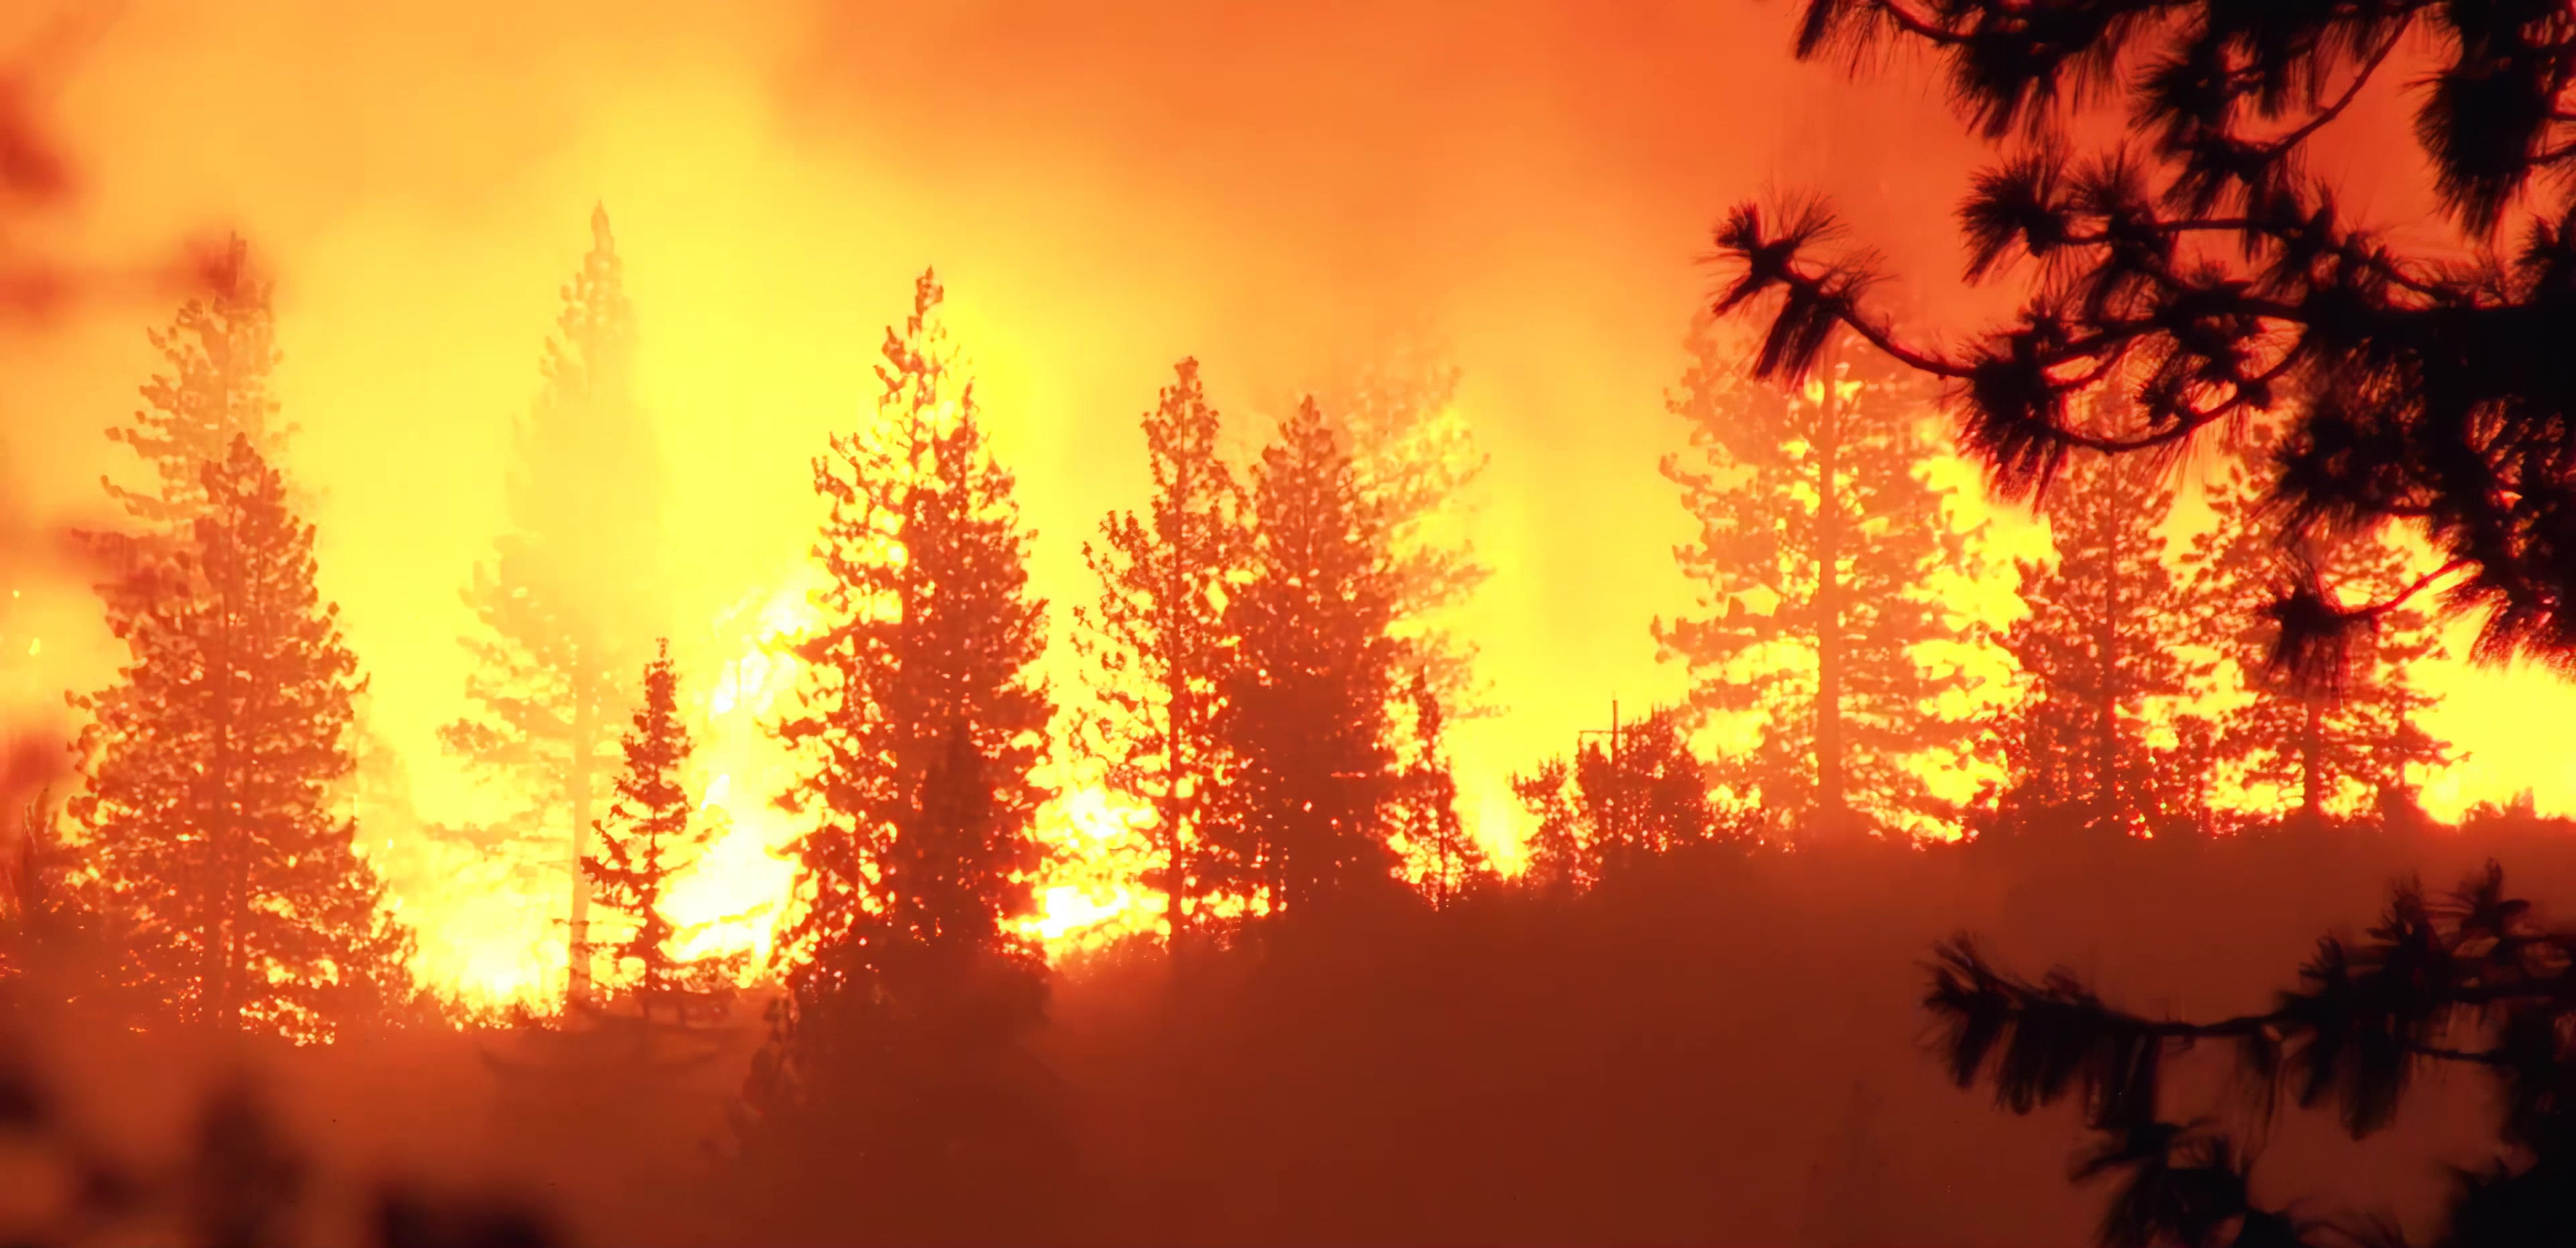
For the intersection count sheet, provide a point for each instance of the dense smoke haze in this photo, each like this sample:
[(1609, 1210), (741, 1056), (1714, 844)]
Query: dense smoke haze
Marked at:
[(1291, 194), (1104, 189)]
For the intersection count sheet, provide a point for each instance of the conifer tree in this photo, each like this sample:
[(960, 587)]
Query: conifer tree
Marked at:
[(1560, 850), (1417, 463), (220, 351), (1617, 806), (209, 767), (2475, 981), (1442, 857), (652, 835), (59, 947), (2202, 261), (1306, 708), (561, 605), (1818, 550), (901, 1047), (1158, 641), (2102, 664), (928, 648), (2354, 741)]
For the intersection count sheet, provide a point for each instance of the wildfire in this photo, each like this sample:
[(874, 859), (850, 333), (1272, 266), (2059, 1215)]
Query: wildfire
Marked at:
[(733, 898)]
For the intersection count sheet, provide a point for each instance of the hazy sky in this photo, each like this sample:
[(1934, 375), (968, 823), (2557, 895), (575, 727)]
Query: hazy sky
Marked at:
[(1104, 189)]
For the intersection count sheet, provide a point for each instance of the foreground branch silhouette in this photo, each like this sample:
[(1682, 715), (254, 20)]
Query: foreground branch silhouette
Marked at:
[(2470, 980), (2199, 266)]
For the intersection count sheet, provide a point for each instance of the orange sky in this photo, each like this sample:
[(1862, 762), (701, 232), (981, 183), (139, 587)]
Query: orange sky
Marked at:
[(1104, 187)]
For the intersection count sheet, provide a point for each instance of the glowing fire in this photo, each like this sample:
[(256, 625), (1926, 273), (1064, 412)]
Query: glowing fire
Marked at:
[(733, 898)]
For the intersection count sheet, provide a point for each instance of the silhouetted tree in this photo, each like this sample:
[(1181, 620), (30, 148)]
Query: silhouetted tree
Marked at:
[(1443, 858), (2203, 265), (1817, 557), (1561, 862), (209, 766), (924, 661), (652, 835), (1306, 702), (2471, 981), (59, 947), (562, 604), (2354, 740), (220, 351), (899, 1051), (1416, 463), (1158, 642), (1621, 804), (2102, 665)]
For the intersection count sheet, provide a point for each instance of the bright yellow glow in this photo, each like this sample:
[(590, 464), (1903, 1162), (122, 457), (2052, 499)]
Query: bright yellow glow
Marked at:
[(423, 192)]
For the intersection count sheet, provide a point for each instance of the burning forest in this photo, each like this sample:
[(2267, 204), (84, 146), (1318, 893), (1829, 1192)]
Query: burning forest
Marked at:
[(1154, 623)]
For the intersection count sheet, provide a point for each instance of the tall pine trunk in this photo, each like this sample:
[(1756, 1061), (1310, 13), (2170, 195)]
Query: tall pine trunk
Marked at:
[(2106, 660), (236, 976), (577, 782), (230, 855), (1179, 722), (2312, 761), (1831, 797)]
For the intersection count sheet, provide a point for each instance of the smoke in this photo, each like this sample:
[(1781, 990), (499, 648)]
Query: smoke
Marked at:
[(1105, 187)]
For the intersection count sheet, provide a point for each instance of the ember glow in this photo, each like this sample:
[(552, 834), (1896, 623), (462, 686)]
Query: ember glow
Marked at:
[(778, 172)]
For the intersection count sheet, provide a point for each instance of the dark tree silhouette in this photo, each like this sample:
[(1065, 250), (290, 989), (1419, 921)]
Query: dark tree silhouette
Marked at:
[(1818, 559), (1158, 642), (1561, 861), (60, 947), (1307, 700), (208, 770), (1611, 812), (2102, 666), (562, 605), (2472, 981), (219, 351), (2355, 741), (652, 835), (1417, 464), (924, 665), (899, 1051), (1443, 858), (2204, 269)]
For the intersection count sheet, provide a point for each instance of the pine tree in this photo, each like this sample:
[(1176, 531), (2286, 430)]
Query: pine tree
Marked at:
[(220, 351), (911, 995), (2356, 740), (2473, 982), (1617, 806), (653, 834), (1306, 706), (209, 767), (1560, 848), (2202, 261), (1158, 642), (1416, 463), (562, 603), (2102, 664), (1442, 857), (1818, 550), (930, 641), (59, 947)]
